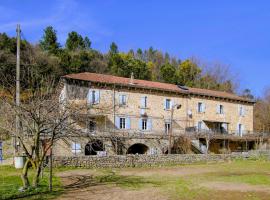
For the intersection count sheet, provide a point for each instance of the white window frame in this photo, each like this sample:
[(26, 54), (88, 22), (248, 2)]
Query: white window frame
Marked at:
[(144, 124), (241, 110), (122, 123), (200, 107), (122, 99), (76, 148), (221, 109), (167, 127), (168, 104)]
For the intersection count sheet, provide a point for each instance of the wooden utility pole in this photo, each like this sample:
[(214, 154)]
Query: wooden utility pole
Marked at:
[(18, 30)]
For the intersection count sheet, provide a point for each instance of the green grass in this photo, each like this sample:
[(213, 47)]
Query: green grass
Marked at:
[(10, 182)]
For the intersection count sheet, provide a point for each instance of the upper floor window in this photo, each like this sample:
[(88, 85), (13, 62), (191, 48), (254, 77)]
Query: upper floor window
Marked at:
[(241, 110), (122, 100), (144, 102), (145, 124), (122, 122), (240, 129), (201, 107), (168, 104), (167, 127), (93, 96), (220, 109)]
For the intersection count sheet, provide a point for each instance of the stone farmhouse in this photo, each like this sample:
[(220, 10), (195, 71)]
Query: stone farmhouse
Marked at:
[(131, 116)]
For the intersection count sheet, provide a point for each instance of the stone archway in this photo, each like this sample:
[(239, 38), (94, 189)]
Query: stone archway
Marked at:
[(92, 147), (137, 148)]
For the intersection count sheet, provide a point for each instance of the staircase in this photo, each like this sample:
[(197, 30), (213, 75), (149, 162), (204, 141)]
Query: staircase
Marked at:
[(197, 147)]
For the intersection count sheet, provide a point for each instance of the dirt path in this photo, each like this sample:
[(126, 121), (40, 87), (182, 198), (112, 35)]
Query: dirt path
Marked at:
[(79, 184)]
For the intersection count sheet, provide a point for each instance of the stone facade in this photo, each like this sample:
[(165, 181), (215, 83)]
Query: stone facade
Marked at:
[(105, 113)]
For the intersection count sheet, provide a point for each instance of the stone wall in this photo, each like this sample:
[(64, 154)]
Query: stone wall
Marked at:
[(149, 160)]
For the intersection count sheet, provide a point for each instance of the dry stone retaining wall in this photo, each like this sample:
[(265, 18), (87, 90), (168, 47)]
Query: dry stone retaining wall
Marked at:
[(149, 160)]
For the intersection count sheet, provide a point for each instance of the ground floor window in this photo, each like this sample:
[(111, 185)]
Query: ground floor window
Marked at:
[(122, 123), (92, 126), (167, 127), (76, 148)]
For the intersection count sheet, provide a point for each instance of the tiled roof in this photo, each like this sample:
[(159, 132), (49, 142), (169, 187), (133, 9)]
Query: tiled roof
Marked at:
[(103, 78)]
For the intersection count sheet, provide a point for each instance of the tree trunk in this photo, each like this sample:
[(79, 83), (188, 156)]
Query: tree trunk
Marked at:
[(36, 177), (24, 175)]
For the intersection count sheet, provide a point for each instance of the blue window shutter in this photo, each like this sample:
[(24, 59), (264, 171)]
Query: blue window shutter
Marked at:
[(128, 123), (89, 96), (140, 124), (117, 122), (97, 97), (149, 124), (218, 109), (142, 102)]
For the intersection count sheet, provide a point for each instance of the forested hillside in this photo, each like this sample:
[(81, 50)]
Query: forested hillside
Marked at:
[(49, 59)]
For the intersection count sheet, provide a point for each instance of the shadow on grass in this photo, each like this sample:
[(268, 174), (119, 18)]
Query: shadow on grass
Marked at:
[(131, 182)]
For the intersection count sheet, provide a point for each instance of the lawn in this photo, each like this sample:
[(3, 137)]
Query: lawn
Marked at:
[(10, 182), (239, 179)]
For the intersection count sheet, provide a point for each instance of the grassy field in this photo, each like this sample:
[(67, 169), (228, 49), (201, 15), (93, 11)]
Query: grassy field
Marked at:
[(233, 180), (240, 179), (10, 182)]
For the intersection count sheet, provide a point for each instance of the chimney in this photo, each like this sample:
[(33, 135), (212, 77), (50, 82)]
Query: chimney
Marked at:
[(131, 81)]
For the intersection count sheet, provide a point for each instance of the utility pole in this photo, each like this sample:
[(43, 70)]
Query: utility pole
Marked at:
[(177, 106), (18, 30)]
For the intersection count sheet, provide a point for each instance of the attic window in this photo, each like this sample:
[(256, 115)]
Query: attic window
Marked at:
[(182, 87)]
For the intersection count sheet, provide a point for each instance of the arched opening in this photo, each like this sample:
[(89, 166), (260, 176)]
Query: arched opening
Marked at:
[(137, 148), (92, 147)]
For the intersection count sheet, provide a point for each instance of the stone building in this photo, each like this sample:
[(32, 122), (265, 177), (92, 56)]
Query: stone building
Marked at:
[(127, 115)]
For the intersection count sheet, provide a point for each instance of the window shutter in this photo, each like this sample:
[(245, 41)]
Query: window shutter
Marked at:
[(172, 103), (244, 111), (89, 96), (120, 99), (140, 124), (97, 97), (164, 104), (128, 123), (117, 122), (142, 102), (243, 130), (218, 108), (239, 107), (149, 124), (204, 107)]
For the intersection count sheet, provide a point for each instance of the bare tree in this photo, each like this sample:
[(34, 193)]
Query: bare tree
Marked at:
[(44, 119)]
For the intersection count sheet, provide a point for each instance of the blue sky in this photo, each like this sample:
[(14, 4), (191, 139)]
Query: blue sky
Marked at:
[(235, 33)]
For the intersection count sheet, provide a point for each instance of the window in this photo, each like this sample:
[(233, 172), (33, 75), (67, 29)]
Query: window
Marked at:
[(144, 102), (122, 100), (144, 124), (76, 148), (241, 111), (92, 126), (168, 104), (220, 109), (122, 123), (93, 96), (240, 129), (167, 127), (200, 107)]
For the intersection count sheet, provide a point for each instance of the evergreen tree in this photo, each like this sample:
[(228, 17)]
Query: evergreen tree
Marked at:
[(49, 41)]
